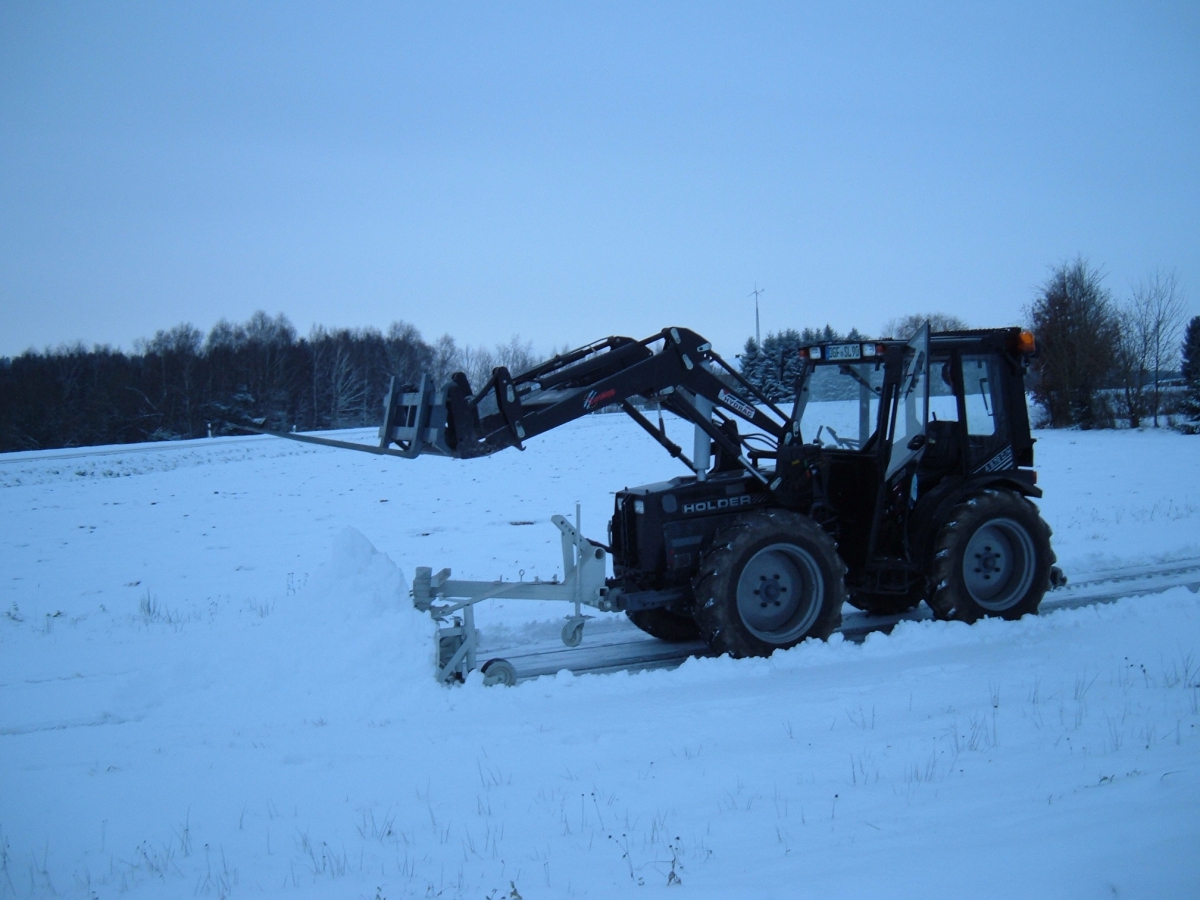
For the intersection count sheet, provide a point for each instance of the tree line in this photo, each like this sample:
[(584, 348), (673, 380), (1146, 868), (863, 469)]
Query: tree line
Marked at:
[(182, 383), (1102, 361)]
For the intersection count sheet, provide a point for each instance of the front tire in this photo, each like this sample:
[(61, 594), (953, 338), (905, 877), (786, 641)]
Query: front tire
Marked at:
[(769, 581), (991, 558)]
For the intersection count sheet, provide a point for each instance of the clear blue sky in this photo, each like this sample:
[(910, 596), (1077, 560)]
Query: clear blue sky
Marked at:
[(568, 171)]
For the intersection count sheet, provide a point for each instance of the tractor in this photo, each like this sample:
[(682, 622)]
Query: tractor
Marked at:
[(902, 472)]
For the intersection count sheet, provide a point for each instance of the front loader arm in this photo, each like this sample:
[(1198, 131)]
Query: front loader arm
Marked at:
[(675, 368), (609, 373)]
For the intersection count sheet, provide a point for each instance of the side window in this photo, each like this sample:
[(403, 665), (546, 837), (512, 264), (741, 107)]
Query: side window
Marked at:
[(943, 406), (910, 415), (979, 390)]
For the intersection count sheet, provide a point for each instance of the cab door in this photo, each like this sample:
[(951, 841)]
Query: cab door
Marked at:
[(988, 431), (910, 408)]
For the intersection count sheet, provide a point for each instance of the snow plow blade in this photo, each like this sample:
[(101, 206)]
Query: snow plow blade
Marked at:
[(452, 603)]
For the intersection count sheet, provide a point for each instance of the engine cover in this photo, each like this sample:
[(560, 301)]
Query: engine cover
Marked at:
[(659, 532)]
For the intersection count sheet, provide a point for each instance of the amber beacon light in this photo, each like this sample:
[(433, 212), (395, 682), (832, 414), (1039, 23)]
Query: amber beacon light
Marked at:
[(1025, 343)]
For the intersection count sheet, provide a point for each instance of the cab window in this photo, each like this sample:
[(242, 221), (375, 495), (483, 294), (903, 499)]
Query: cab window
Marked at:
[(977, 388), (943, 405), (987, 425)]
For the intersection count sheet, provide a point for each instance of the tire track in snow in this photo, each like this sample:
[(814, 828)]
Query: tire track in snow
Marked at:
[(626, 648)]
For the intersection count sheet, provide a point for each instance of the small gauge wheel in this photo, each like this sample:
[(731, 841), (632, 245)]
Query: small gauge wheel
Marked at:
[(572, 633), (499, 671)]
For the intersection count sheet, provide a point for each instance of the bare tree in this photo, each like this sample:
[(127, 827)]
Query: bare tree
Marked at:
[(225, 335), (517, 355), (1132, 362), (1158, 311), (477, 364), (174, 356), (340, 389), (447, 359), (347, 388), (268, 341), (906, 326), (408, 356)]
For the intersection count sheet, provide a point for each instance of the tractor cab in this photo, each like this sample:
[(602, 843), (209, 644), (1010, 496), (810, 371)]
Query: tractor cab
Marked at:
[(900, 426)]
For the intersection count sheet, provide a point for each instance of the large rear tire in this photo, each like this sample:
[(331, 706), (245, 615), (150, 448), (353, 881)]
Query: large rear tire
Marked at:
[(991, 558), (769, 581), (666, 625)]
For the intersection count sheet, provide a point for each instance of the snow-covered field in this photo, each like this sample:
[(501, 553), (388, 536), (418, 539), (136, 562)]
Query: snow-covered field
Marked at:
[(211, 684)]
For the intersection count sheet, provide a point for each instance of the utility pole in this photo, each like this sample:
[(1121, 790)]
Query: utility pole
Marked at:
[(754, 293)]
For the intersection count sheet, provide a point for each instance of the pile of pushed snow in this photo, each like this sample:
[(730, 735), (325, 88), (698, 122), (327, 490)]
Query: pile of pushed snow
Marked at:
[(346, 649), (356, 624), (358, 581)]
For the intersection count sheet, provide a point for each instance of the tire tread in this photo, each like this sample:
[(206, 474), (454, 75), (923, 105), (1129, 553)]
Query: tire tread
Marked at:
[(719, 623), (949, 600)]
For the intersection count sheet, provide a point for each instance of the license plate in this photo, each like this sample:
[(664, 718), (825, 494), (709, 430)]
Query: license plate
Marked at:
[(845, 351)]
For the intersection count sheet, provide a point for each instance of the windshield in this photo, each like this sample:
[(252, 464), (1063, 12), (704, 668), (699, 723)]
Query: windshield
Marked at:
[(842, 404)]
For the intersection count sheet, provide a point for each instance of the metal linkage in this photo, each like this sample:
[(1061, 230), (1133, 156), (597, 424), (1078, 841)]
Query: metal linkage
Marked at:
[(675, 368), (452, 602)]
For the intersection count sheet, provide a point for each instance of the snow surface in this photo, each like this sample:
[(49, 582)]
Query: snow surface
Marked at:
[(212, 684)]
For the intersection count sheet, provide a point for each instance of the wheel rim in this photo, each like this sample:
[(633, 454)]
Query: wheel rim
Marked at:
[(779, 593), (499, 672), (998, 564)]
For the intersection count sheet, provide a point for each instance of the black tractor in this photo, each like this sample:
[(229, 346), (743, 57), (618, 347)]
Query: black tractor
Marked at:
[(903, 472)]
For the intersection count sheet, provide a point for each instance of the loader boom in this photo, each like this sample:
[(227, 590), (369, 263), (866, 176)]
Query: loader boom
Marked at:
[(675, 369)]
